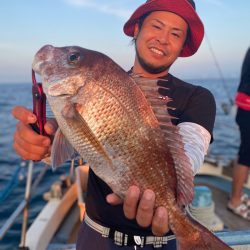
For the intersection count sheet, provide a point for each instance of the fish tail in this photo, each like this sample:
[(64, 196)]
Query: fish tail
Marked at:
[(191, 235)]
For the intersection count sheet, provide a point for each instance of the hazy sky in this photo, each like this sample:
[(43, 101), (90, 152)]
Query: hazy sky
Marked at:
[(97, 24)]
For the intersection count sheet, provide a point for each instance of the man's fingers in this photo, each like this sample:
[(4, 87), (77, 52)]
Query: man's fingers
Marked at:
[(113, 199), (145, 209), (33, 155), (160, 222), (29, 151), (142, 208), (27, 143), (25, 132), (131, 202), (30, 145), (51, 126), (24, 115)]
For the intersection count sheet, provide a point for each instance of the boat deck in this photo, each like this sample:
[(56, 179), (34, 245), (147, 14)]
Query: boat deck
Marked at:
[(220, 193)]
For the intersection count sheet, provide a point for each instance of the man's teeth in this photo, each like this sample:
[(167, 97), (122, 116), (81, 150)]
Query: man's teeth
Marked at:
[(157, 51)]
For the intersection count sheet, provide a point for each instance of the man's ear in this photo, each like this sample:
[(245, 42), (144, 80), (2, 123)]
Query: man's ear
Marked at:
[(136, 30)]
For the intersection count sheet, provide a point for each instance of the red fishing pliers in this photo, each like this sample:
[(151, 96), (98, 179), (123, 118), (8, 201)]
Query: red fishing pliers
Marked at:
[(39, 106)]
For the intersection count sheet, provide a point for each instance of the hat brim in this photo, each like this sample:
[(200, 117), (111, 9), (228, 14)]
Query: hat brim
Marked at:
[(181, 8)]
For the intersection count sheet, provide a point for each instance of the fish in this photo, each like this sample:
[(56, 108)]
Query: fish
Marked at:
[(120, 125)]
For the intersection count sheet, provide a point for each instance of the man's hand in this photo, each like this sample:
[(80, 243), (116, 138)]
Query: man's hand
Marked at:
[(141, 208), (27, 143)]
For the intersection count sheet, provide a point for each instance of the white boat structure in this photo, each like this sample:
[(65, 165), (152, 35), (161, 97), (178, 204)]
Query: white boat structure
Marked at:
[(56, 225)]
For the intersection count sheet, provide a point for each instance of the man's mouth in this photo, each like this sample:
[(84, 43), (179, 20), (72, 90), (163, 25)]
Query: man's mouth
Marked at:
[(157, 51)]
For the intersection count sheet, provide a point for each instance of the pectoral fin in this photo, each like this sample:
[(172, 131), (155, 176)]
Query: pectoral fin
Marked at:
[(61, 150)]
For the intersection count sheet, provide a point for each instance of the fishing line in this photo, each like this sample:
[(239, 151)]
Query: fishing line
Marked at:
[(12, 183), (231, 101), (10, 221)]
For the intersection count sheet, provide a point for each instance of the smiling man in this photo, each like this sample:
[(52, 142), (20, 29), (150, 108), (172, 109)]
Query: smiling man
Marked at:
[(162, 30)]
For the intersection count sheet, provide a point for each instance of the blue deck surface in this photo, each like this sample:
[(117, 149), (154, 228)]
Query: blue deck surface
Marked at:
[(234, 238), (220, 183)]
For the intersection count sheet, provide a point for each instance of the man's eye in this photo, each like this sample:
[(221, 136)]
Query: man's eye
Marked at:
[(157, 27), (176, 35), (74, 57)]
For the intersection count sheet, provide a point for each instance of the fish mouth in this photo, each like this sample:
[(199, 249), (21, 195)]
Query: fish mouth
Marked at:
[(41, 57), (53, 85), (36, 67), (58, 90), (66, 86)]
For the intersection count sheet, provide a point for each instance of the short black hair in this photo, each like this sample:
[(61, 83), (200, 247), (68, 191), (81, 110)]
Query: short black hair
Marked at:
[(140, 22), (141, 19), (192, 3)]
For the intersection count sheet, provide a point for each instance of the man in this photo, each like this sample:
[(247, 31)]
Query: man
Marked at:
[(239, 202), (162, 31)]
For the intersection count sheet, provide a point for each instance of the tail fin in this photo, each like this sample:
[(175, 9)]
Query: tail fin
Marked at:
[(191, 235)]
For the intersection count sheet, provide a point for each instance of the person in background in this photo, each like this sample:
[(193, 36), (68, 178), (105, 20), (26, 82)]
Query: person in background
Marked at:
[(162, 31), (239, 202)]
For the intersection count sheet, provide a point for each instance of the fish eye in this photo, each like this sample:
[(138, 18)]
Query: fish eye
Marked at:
[(74, 57)]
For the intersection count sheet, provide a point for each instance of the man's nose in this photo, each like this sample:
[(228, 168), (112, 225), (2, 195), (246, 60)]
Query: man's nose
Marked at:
[(163, 37)]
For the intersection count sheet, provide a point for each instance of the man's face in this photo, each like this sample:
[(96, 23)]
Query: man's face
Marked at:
[(159, 41)]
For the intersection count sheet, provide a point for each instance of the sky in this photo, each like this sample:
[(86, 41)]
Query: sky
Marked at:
[(97, 24)]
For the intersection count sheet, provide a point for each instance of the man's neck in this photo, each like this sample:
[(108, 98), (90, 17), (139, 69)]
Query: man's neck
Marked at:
[(137, 69)]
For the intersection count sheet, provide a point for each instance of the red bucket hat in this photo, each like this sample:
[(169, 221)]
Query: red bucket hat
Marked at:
[(181, 8)]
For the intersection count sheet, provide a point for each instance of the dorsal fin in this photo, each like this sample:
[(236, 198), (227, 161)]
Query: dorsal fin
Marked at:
[(143, 78), (174, 141)]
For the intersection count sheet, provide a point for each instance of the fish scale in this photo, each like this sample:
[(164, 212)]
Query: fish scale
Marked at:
[(103, 114)]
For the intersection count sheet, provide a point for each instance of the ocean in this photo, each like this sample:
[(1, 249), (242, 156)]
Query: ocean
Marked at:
[(14, 170)]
